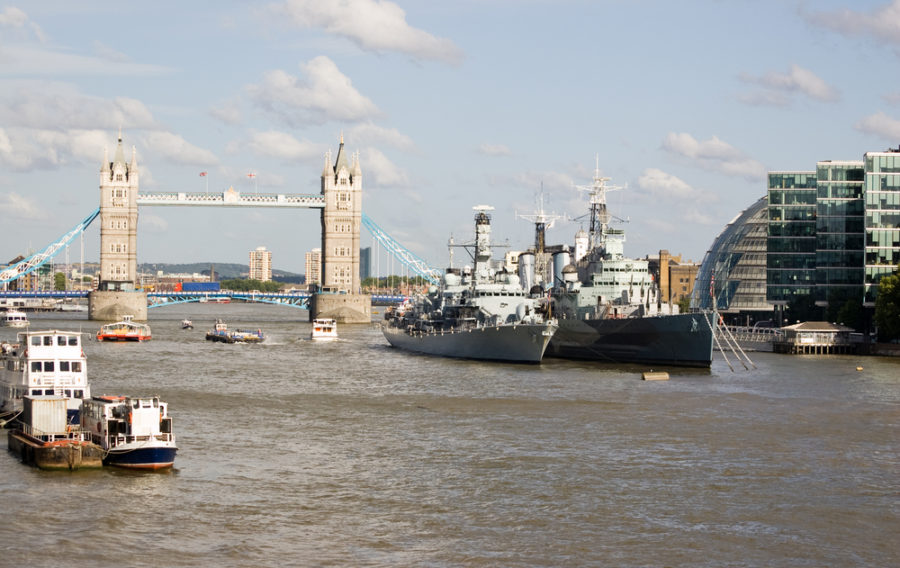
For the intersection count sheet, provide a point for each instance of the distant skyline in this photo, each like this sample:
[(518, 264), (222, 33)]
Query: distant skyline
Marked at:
[(450, 105)]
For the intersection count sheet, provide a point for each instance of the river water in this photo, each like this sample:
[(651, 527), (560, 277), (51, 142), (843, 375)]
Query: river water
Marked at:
[(295, 453)]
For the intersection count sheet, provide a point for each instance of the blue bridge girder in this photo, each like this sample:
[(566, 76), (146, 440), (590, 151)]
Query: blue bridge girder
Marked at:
[(159, 299)]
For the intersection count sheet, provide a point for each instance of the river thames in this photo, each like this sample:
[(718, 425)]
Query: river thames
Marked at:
[(351, 453)]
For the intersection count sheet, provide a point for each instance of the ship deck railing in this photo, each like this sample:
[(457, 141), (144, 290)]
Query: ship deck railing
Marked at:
[(73, 433), (121, 439)]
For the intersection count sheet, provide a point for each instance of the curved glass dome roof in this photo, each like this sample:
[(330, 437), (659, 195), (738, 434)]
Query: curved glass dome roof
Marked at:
[(737, 261)]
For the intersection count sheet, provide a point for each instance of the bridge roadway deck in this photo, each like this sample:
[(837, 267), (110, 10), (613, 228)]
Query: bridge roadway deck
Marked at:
[(157, 299)]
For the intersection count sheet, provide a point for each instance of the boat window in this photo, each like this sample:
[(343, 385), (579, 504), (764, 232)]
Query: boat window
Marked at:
[(68, 393), (48, 340), (35, 366), (64, 366), (35, 392), (76, 366), (48, 366), (73, 341), (79, 393), (155, 403), (60, 340), (36, 340), (48, 392)]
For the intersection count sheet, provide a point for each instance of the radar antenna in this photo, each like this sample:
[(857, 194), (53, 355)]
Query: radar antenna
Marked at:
[(600, 216)]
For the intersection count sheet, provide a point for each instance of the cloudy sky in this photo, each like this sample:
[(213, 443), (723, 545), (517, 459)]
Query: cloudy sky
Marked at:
[(686, 104)]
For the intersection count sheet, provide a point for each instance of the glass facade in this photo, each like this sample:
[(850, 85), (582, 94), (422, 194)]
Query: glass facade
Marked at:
[(791, 244), (882, 218), (736, 266), (840, 220)]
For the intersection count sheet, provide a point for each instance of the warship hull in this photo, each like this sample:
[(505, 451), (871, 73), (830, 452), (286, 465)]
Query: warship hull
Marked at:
[(521, 343), (683, 340)]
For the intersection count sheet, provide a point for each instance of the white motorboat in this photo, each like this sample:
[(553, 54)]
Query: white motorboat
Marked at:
[(324, 329)]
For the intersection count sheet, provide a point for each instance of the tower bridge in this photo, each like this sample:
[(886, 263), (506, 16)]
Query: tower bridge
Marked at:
[(340, 207)]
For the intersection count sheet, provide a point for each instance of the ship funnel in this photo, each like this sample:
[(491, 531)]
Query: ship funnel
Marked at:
[(526, 269), (560, 261)]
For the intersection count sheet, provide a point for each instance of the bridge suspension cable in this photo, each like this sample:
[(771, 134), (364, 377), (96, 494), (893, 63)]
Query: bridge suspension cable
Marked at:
[(416, 264), (34, 261)]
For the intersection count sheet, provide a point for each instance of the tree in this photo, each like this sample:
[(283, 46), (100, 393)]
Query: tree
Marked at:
[(59, 281), (684, 304), (887, 307)]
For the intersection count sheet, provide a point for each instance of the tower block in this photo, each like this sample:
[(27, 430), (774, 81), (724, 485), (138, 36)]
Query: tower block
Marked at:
[(340, 296), (117, 294)]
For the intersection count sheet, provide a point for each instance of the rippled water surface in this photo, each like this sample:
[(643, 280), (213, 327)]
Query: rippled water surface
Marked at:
[(295, 453)]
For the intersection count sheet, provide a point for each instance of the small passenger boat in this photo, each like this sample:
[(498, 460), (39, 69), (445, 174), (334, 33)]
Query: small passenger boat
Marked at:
[(125, 330), (134, 432), (45, 439), (187, 324), (222, 334), (14, 318), (324, 329)]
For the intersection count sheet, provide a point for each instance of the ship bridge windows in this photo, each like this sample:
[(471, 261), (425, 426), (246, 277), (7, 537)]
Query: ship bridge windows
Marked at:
[(45, 366)]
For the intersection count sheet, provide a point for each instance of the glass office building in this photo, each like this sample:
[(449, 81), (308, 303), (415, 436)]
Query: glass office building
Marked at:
[(882, 218), (734, 268), (840, 215), (834, 232), (791, 246)]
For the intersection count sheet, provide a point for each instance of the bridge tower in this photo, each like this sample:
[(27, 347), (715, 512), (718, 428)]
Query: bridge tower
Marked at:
[(340, 296), (117, 294)]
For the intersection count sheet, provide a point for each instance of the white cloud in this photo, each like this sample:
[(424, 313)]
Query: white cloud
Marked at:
[(14, 206), (494, 150), (60, 106), (796, 80), (892, 98), (880, 124), (323, 94), (369, 133), (152, 224), (177, 149), (384, 172), (283, 145), (661, 184), (883, 23), (12, 17), (32, 149), (373, 25), (714, 155), (229, 112)]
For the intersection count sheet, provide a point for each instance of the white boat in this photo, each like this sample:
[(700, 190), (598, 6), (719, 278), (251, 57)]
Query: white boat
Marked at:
[(134, 432), (187, 324), (324, 329), (125, 330), (14, 318), (43, 363)]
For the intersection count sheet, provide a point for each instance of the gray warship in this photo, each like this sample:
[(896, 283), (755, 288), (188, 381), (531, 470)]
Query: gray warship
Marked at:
[(476, 313), (608, 306)]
